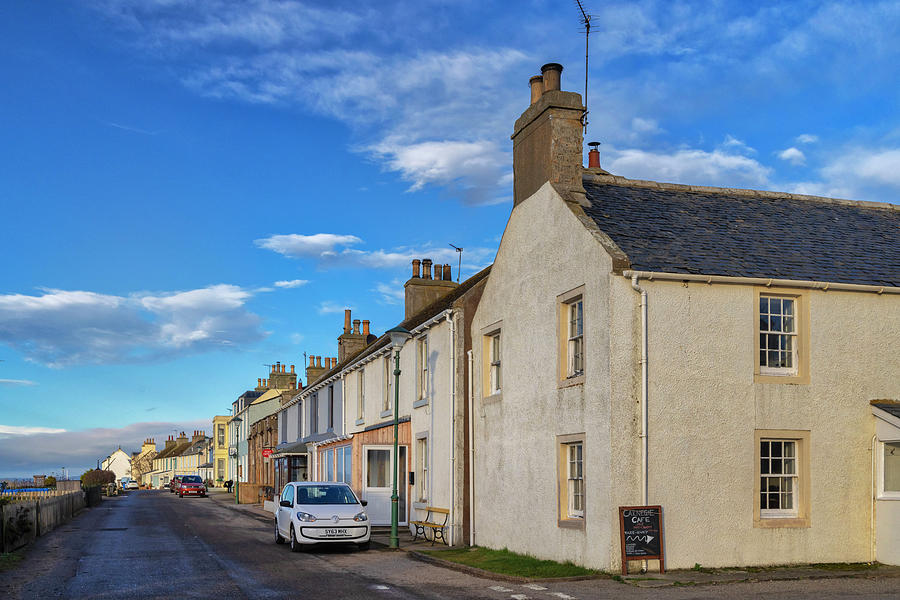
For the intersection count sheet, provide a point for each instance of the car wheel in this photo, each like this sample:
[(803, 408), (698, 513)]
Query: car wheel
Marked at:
[(295, 545), (279, 539)]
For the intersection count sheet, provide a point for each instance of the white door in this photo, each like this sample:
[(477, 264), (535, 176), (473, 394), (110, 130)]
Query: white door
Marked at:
[(377, 483)]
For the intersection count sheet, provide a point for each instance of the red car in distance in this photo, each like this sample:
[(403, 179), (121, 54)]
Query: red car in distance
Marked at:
[(191, 485)]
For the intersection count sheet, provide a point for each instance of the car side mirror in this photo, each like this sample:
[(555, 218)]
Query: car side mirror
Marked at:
[(364, 502), (286, 503)]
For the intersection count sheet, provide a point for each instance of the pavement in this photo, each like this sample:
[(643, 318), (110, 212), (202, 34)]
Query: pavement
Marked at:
[(652, 579)]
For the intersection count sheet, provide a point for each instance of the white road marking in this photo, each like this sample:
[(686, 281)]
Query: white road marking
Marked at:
[(533, 586), (499, 588), (519, 597), (380, 587), (563, 596)]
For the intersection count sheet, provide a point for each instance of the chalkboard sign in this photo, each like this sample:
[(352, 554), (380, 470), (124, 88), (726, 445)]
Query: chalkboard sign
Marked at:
[(642, 535)]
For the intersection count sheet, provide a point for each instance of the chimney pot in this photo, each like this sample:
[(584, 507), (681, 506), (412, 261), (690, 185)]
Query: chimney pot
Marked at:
[(365, 328), (356, 326), (259, 382), (415, 264), (319, 358), (312, 361), (551, 73), (537, 88), (292, 369), (447, 275), (594, 155), (346, 320), (426, 268)]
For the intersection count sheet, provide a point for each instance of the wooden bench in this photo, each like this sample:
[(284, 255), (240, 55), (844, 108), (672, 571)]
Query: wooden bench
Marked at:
[(431, 522)]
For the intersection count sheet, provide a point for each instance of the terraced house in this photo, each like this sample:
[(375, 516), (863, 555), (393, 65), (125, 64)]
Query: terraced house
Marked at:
[(731, 355)]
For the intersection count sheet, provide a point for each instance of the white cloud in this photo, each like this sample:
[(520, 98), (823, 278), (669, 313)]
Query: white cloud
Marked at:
[(733, 144), (690, 166), (295, 245), (392, 293), (17, 382), (62, 328), (293, 283), (793, 156), (645, 126), (296, 338), (806, 138), (11, 430)]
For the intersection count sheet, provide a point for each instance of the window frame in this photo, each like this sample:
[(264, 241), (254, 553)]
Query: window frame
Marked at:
[(421, 371), (883, 494), (566, 374), (800, 515), (387, 374), (799, 373), (567, 515), (360, 396), (489, 392), (421, 471)]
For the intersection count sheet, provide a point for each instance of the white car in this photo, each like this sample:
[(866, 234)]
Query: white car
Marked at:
[(320, 512)]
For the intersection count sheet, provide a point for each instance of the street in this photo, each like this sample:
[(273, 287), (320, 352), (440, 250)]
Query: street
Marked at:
[(152, 544)]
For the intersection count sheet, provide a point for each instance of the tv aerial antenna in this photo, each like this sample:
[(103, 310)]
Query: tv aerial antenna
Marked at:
[(459, 251), (586, 21)]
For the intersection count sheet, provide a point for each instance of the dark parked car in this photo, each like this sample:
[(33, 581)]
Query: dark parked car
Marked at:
[(174, 484), (192, 485)]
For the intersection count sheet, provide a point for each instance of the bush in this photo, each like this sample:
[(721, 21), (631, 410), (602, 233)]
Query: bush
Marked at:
[(50, 481), (95, 477)]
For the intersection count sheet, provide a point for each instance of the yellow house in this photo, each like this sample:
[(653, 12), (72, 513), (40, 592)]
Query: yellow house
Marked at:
[(220, 450)]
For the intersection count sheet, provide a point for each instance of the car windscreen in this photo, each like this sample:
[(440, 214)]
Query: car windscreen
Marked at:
[(325, 494), (191, 479)]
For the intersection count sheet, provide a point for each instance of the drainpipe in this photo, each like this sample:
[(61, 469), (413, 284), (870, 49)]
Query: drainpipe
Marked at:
[(452, 427), (644, 393), (872, 540), (471, 454)]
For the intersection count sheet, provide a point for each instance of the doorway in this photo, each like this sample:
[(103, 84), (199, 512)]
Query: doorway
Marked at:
[(377, 483)]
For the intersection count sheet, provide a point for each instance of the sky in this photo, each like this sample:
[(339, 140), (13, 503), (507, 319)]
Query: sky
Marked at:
[(191, 191)]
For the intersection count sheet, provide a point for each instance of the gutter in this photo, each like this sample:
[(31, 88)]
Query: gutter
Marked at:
[(471, 454), (452, 435), (645, 472), (766, 281)]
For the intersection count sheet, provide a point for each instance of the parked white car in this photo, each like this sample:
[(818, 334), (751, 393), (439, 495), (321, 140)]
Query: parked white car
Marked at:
[(315, 512)]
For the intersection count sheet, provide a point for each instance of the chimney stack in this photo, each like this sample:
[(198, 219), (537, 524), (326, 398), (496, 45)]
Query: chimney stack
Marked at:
[(422, 291), (547, 139)]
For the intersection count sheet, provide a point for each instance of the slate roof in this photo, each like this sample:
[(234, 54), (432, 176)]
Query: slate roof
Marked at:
[(743, 233), (887, 406)]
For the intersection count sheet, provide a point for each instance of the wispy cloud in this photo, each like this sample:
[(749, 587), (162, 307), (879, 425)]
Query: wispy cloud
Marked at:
[(17, 382), (691, 166), (392, 293), (62, 328), (129, 128), (327, 307), (11, 430), (293, 283), (27, 450), (332, 251), (806, 138)]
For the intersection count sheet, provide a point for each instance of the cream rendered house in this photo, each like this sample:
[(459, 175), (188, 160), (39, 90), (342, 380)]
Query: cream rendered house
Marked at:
[(713, 351)]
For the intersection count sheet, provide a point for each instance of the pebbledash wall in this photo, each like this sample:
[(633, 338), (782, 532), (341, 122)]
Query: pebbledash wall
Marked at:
[(705, 407)]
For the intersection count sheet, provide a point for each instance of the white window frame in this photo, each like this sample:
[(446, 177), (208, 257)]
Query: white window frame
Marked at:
[(422, 367), (575, 479), (768, 334), (575, 337), (880, 453), (788, 469), (495, 363), (360, 394), (388, 385), (422, 467)]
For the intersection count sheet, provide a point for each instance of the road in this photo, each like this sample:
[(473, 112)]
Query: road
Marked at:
[(151, 544)]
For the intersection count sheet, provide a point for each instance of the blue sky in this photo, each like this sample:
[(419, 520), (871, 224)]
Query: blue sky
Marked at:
[(190, 191)]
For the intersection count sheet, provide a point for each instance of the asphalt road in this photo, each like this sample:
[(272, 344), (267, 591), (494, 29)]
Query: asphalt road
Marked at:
[(155, 545)]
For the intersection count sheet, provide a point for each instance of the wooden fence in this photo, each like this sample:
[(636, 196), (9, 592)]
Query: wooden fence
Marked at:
[(27, 518)]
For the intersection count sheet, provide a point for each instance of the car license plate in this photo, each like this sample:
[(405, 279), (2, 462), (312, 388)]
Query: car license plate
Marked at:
[(336, 532)]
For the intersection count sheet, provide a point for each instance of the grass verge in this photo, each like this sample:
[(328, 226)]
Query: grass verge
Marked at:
[(510, 563), (9, 559)]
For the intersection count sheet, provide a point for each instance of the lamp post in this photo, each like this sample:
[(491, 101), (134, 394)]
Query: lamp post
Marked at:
[(398, 336), (237, 461)]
